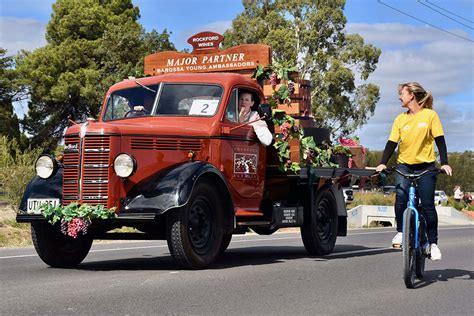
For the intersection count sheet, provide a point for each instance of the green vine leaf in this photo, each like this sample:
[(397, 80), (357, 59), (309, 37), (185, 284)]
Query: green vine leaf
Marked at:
[(53, 214)]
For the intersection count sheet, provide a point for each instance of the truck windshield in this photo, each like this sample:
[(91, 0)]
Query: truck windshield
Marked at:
[(132, 102), (173, 100), (188, 100)]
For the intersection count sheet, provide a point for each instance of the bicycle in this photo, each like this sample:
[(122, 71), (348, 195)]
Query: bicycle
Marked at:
[(415, 244)]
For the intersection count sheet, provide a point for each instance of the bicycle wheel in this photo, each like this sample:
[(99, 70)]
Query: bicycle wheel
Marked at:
[(408, 246), (421, 254)]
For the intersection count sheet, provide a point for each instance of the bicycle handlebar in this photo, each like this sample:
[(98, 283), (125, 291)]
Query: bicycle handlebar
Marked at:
[(411, 176)]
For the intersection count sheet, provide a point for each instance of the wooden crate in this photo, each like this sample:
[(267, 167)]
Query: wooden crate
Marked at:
[(302, 121), (302, 89), (291, 109)]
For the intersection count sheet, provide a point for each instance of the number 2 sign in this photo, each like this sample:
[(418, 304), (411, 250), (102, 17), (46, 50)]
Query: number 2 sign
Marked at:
[(203, 107)]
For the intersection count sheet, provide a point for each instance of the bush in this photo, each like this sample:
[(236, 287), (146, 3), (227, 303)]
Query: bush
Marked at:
[(16, 169), (371, 198), (460, 206)]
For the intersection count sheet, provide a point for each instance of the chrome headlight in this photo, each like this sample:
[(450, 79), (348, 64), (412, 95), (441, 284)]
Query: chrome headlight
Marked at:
[(45, 166), (124, 165)]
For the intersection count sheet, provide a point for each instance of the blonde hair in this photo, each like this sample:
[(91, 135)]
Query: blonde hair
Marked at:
[(423, 97)]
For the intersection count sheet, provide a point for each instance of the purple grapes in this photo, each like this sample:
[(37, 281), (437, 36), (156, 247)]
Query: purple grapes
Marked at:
[(273, 80)]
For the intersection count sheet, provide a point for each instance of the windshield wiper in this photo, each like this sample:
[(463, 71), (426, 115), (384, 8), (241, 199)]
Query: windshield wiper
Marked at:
[(144, 87)]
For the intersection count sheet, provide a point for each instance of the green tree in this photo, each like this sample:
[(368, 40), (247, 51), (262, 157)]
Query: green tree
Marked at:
[(462, 164), (91, 45), (9, 125), (310, 34)]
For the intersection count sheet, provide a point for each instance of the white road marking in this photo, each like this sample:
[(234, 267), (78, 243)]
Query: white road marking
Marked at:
[(240, 241)]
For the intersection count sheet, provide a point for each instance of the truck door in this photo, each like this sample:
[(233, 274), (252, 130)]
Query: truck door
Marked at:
[(243, 157)]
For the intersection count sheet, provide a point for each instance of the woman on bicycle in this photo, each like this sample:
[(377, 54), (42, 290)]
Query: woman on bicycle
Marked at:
[(415, 131)]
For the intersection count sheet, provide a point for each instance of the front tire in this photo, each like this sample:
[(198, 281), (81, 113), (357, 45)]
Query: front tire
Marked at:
[(408, 246), (195, 231), (319, 232), (56, 249)]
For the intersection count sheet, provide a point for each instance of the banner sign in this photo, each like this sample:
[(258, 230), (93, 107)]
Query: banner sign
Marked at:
[(206, 57)]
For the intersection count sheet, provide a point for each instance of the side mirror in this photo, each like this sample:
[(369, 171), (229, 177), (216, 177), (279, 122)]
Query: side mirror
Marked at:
[(265, 111)]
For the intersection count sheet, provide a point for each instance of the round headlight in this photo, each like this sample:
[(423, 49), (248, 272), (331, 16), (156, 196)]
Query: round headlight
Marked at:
[(45, 166), (124, 165)]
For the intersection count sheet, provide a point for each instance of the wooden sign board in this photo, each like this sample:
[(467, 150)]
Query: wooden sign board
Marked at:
[(208, 58), (205, 42)]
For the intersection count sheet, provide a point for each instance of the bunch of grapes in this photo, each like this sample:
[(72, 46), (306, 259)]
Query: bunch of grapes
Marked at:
[(291, 87), (273, 80), (285, 130), (310, 156), (64, 226), (75, 226), (295, 129)]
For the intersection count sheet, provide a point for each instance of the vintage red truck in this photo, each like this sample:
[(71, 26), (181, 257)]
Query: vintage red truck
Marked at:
[(169, 154)]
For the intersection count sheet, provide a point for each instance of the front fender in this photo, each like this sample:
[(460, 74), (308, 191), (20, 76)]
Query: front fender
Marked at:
[(43, 188), (168, 188)]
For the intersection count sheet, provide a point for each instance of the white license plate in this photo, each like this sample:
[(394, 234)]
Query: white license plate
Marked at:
[(34, 203)]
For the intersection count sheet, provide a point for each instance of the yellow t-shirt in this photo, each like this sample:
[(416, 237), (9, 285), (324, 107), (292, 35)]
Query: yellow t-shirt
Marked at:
[(415, 134)]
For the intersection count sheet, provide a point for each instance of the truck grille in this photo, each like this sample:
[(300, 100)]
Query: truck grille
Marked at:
[(93, 187), (166, 144)]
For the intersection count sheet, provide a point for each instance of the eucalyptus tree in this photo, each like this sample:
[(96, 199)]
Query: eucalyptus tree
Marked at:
[(311, 35)]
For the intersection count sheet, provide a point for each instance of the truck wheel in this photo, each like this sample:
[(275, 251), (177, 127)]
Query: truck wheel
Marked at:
[(319, 231), (58, 250), (225, 243), (194, 232)]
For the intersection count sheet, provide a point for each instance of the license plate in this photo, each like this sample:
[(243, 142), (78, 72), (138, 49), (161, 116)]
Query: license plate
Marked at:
[(34, 203)]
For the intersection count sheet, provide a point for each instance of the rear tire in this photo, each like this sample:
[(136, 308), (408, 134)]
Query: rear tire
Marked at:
[(194, 232), (319, 232), (56, 249), (225, 243), (408, 245)]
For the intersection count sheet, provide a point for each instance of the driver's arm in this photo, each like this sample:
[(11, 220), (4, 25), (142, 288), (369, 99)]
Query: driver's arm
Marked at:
[(261, 129)]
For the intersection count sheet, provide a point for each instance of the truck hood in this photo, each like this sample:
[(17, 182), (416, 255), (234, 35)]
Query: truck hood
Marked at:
[(170, 126)]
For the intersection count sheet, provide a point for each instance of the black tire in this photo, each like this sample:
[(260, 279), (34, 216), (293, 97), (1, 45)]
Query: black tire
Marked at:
[(420, 265), (56, 249), (421, 254), (195, 231), (319, 232), (264, 230), (225, 243), (408, 246)]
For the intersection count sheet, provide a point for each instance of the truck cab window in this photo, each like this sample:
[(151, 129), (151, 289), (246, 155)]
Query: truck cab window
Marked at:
[(231, 112)]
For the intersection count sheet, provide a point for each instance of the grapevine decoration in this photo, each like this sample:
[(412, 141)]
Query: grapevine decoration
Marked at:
[(75, 218), (351, 142), (311, 155)]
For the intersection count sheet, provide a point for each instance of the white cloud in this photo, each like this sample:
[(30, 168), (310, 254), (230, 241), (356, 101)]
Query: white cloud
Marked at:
[(442, 63), (17, 34)]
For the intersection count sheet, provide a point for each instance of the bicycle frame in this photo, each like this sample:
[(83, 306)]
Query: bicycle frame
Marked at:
[(412, 207)]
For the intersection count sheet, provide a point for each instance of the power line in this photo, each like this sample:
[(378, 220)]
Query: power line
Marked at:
[(419, 1), (436, 27), (449, 12)]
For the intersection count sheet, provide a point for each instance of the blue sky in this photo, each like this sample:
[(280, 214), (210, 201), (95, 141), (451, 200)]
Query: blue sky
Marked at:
[(418, 44)]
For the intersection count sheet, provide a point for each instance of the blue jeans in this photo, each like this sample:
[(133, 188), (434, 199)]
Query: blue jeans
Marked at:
[(425, 192)]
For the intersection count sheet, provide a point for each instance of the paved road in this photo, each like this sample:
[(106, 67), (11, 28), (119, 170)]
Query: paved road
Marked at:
[(258, 275)]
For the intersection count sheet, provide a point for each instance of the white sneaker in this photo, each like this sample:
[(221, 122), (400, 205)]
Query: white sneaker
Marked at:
[(397, 240), (435, 252)]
